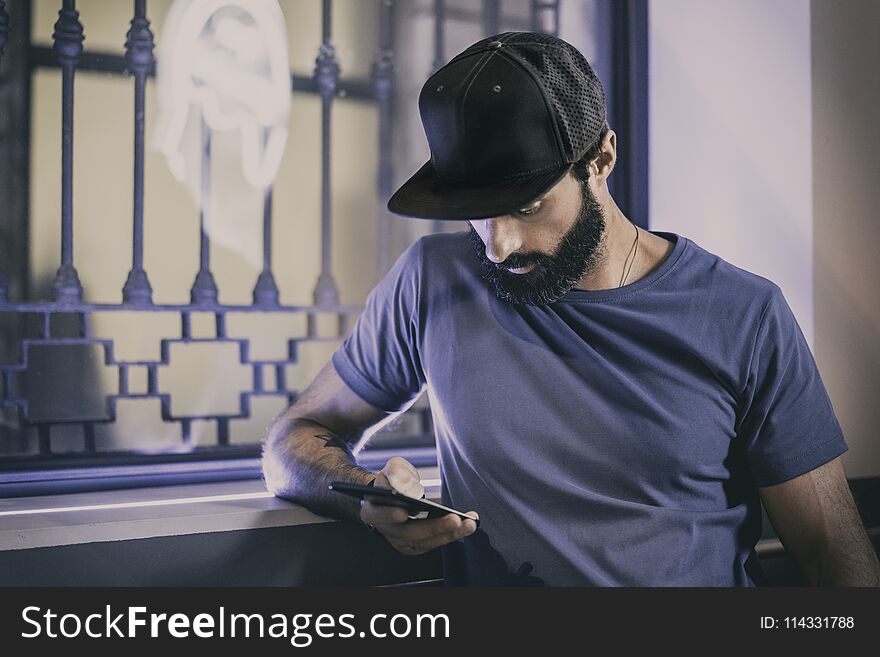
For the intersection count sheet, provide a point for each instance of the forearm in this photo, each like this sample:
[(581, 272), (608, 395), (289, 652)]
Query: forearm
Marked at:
[(300, 459), (852, 563)]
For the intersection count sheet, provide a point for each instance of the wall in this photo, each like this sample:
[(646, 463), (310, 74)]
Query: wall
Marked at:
[(735, 107), (846, 229)]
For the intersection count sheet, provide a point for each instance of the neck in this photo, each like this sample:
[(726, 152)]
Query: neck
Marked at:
[(616, 250)]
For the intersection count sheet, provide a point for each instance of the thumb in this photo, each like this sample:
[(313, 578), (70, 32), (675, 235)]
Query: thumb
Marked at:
[(403, 477)]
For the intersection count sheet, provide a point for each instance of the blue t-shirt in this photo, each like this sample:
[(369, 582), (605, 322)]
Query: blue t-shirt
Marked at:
[(611, 438)]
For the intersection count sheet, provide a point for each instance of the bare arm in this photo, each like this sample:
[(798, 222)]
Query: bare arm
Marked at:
[(817, 521), (310, 444)]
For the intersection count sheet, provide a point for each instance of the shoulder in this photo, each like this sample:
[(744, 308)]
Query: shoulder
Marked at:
[(446, 256), (428, 249), (431, 262), (449, 244), (721, 283)]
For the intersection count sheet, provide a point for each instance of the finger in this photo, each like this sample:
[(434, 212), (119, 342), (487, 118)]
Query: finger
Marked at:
[(430, 533), (409, 466), (402, 479), (375, 514), (401, 467), (456, 531)]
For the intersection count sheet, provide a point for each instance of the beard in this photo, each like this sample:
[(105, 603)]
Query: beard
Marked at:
[(554, 274)]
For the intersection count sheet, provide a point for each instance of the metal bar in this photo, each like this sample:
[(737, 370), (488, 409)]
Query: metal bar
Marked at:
[(383, 85), (123, 379), (327, 78), (152, 379), (342, 325), (85, 325), (439, 35), (491, 17), (266, 290), (220, 325), (257, 378), (223, 431), (185, 326), (204, 289), (95, 61), (68, 38), (50, 307), (139, 56)]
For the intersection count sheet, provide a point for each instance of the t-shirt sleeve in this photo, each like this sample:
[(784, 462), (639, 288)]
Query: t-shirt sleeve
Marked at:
[(379, 360), (788, 424)]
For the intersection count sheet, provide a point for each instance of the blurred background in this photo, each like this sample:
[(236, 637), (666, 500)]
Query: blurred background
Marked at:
[(153, 321)]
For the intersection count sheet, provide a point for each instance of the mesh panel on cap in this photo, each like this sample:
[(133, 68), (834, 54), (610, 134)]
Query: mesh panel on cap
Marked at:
[(573, 88)]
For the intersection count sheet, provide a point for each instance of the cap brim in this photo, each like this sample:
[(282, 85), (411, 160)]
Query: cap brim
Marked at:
[(426, 195)]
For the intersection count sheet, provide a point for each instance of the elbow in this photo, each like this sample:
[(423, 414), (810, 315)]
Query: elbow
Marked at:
[(277, 472), (273, 476)]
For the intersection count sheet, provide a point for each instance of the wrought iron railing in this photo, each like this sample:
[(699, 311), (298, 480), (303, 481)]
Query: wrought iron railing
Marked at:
[(30, 421)]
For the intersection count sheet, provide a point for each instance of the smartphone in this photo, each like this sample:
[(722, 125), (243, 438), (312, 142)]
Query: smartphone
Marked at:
[(391, 497)]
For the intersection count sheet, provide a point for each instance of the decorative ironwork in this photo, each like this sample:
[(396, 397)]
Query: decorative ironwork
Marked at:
[(13, 376), (266, 290), (139, 56), (66, 323), (327, 78), (68, 45), (204, 289), (383, 84)]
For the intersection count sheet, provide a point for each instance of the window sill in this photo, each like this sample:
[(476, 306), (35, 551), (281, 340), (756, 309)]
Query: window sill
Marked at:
[(139, 513)]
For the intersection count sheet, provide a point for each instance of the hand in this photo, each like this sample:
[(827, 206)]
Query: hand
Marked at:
[(408, 536)]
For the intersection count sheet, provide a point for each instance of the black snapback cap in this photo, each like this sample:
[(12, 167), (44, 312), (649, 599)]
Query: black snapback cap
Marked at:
[(505, 119)]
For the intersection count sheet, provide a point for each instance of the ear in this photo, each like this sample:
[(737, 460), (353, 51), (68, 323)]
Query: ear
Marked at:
[(603, 165)]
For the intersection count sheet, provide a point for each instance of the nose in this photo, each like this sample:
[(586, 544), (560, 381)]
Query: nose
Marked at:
[(502, 238)]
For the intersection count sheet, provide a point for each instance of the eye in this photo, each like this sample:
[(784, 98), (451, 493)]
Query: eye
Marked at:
[(528, 212)]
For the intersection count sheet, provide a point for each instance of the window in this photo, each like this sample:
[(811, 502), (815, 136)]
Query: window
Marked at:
[(103, 379)]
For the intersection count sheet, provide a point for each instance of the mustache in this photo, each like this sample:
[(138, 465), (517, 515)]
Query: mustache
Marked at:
[(552, 274), (516, 261)]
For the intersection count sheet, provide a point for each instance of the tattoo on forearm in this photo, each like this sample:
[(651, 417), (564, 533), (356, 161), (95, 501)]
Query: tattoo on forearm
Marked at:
[(332, 440)]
